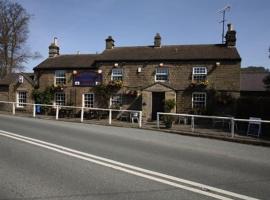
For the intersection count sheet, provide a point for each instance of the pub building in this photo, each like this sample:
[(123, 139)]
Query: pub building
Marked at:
[(143, 77)]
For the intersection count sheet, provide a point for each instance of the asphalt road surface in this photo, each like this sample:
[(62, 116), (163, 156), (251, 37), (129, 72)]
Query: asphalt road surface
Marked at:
[(43, 159)]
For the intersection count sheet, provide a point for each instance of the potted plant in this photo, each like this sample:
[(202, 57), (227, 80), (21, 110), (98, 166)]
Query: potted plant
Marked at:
[(168, 119)]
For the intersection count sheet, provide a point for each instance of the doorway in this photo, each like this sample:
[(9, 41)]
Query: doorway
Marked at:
[(158, 100)]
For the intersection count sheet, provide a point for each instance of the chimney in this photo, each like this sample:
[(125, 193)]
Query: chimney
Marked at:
[(230, 36), (157, 40), (54, 48), (109, 43)]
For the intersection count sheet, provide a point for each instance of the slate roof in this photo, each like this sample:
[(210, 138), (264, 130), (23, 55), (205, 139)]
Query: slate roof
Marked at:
[(143, 53), (11, 78), (68, 62), (252, 81), (170, 52)]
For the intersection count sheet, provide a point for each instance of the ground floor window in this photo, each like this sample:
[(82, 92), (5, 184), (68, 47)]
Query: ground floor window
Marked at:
[(88, 100), (116, 101), (198, 100), (21, 99), (60, 98)]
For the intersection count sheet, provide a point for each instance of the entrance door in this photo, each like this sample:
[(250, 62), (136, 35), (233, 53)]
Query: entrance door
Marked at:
[(158, 99)]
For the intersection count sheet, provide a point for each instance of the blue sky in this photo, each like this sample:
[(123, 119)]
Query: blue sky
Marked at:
[(83, 25)]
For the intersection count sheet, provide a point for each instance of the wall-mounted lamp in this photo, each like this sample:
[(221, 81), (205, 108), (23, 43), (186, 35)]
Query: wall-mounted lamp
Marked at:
[(217, 63), (74, 72), (161, 64), (139, 70), (100, 71), (116, 64), (20, 79)]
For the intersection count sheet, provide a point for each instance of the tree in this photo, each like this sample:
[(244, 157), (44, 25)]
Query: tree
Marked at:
[(14, 21), (255, 69), (266, 82)]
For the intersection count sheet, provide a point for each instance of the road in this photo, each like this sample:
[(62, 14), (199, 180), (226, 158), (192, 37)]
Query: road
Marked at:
[(81, 161)]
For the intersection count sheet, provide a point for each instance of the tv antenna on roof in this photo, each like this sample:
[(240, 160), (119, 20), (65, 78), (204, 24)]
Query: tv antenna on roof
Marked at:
[(223, 11)]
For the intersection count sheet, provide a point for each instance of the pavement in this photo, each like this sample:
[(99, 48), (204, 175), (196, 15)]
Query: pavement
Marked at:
[(180, 167)]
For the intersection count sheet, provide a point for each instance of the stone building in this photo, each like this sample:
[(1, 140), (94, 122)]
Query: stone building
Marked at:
[(149, 75), (17, 87)]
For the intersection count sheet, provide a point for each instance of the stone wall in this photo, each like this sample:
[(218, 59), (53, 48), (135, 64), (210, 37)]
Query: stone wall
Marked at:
[(226, 76), (222, 77)]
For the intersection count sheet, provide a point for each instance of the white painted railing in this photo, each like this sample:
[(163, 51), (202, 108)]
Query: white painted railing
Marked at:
[(81, 109), (232, 120)]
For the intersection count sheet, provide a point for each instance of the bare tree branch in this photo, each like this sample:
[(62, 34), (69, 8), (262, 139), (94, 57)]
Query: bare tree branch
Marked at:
[(14, 21)]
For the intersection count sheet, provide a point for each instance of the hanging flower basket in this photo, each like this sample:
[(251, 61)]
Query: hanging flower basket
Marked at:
[(115, 85), (58, 88), (200, 84)]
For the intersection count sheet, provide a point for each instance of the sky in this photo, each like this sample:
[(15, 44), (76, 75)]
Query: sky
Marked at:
[(83, 25)]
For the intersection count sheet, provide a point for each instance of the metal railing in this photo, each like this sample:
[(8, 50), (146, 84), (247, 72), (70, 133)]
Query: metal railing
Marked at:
[(231, 121), (136, 114)]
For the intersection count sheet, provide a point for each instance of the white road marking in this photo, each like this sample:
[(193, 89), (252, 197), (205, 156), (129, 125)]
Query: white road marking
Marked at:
[(190, 185)]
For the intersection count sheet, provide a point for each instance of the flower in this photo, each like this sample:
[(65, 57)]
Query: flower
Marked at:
[(115, 84), (195, 83)]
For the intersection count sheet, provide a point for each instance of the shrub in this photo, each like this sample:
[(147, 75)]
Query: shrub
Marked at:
[(168, 119)]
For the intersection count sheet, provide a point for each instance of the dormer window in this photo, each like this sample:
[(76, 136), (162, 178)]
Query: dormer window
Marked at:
[(199, 74), (117, 74), (60, 77), (162, 74)]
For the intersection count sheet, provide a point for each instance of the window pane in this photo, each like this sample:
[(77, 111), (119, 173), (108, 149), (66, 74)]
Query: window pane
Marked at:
[(117, 74), (60, 77), (60, 98), (162, 74), (199, 100), (21, 98), (199, 73), (89, 100), (116, 100)]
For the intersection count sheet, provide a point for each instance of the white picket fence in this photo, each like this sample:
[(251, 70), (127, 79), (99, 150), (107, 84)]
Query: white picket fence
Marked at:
[(134, 115)]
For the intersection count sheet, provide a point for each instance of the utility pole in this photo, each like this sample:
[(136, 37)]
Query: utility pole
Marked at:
[(223, 11)]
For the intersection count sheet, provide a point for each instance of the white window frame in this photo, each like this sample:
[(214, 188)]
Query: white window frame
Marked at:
[(117, 102), (199, 93), (164, 73), (56, 103), (116, 76), (91, 100), (21, 100), (58, 77), (200, 72)]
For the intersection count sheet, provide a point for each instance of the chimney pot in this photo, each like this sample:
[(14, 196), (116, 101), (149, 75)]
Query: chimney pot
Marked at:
[(230, 27), (54, 48), (55, 42), (109, 43), (157, 40), (230, 36)]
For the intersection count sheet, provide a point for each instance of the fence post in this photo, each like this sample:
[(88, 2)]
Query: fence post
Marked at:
[(13, 108), (110, 116), (232, 127), (57, 112), (140, 119), (157, 120), (192, 123), (34, 110), (82, 113)]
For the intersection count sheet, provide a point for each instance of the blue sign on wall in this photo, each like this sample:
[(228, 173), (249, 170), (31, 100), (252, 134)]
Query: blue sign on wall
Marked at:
[(87, 79)]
